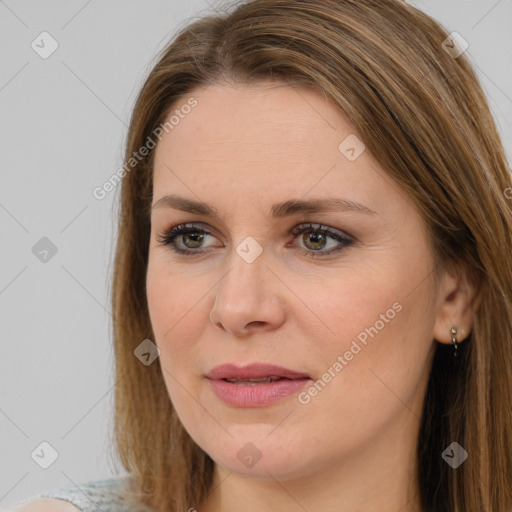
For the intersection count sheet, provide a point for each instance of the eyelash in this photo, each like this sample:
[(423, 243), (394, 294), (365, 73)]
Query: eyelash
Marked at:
[(169, 236)]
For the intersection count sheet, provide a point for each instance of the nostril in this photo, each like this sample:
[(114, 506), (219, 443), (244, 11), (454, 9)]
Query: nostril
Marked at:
[(257, 322)]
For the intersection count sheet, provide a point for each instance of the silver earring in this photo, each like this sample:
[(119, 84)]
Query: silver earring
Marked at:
[(454, 340)]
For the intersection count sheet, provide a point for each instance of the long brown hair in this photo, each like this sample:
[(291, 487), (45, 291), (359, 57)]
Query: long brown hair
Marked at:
[(423, 115)]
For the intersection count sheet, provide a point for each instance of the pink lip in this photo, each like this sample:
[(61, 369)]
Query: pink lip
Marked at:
[(255, 395)]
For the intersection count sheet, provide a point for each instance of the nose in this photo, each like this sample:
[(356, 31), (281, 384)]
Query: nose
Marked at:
[(248, 298)]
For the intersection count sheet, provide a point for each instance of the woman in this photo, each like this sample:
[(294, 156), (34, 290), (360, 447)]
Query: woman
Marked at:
[(312, 288)]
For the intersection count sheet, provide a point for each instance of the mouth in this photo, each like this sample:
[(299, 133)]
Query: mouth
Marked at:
[(252, 382), (255, 385), (255, 372)]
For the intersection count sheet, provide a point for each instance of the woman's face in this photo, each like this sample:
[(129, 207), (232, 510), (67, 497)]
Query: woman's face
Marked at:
[(351, 310)]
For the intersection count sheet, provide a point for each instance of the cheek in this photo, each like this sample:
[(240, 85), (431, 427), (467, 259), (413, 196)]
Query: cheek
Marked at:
[(375, 342), (170, 297), (349, 309), (178, 310), (169, 304), (172, 304)]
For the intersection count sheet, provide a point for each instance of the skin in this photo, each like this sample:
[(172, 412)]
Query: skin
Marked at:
[(352, 447), (46, 505)]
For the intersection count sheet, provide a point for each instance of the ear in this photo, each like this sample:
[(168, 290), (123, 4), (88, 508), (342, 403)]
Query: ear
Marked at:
[(457, 302)]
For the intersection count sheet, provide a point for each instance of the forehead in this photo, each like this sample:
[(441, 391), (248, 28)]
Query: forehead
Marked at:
[(241, 118), (253, 142)]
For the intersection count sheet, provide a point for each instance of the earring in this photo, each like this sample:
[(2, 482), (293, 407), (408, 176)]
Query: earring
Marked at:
[(454, 340)]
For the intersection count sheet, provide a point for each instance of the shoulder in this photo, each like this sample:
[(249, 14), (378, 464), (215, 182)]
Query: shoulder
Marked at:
[(108, 495), (46, 505)]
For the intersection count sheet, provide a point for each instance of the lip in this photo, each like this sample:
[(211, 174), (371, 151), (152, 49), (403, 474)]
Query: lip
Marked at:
[(253, 371), (255, 395)]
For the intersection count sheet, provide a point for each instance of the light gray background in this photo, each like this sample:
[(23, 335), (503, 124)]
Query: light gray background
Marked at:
[(63, 122)]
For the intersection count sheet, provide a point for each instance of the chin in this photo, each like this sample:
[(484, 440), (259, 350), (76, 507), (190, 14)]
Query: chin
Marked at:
[(260, 456), (272, 468)]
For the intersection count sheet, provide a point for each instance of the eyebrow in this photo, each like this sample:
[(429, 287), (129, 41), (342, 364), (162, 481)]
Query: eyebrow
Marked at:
[(278, 210)]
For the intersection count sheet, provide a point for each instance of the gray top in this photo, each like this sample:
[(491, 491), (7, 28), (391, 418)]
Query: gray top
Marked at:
[(107, 495)]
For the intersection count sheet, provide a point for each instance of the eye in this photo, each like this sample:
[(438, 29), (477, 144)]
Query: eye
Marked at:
[(315, 238), (191, 235)]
